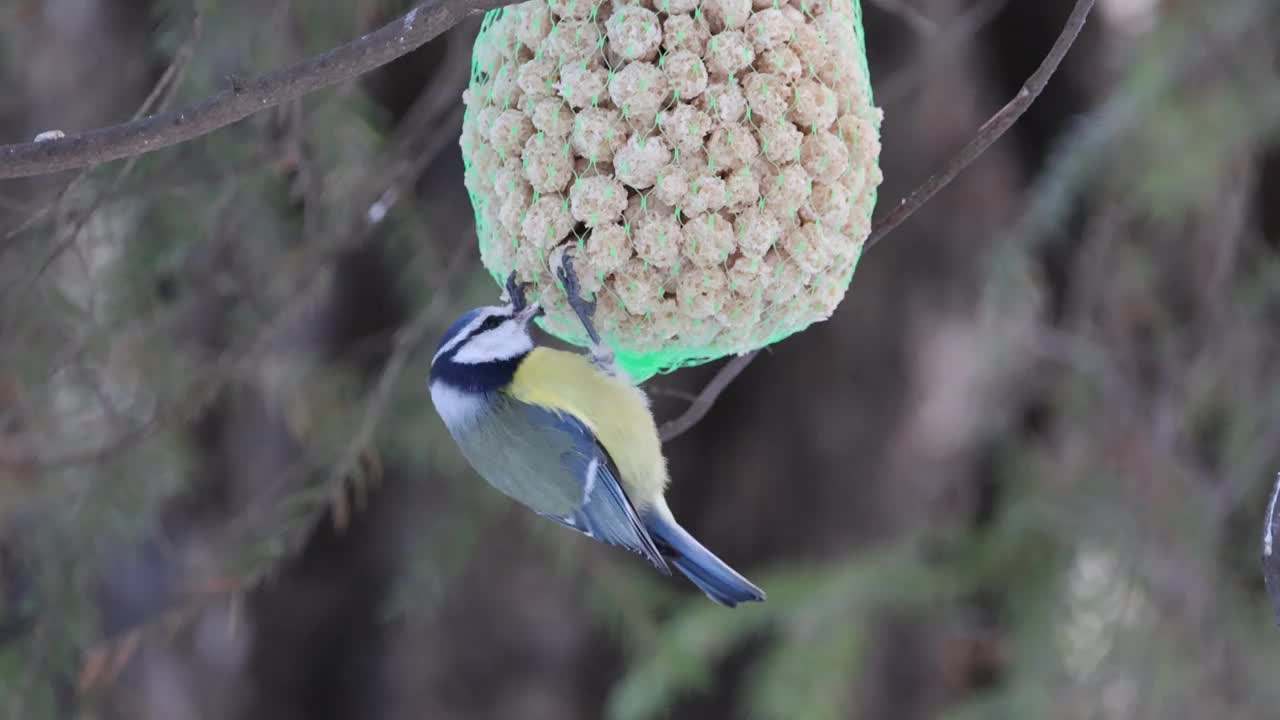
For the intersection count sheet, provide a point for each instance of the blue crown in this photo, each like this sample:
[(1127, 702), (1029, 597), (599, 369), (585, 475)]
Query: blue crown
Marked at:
[(457, 327)]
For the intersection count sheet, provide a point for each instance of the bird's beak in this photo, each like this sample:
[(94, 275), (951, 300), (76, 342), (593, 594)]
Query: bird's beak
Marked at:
[(530, 311)]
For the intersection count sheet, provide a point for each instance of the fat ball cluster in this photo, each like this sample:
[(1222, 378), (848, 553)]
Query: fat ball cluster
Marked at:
[(711, 165)]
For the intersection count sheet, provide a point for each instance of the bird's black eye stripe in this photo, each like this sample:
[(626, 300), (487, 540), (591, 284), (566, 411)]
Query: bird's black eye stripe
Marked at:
[(490, 323)]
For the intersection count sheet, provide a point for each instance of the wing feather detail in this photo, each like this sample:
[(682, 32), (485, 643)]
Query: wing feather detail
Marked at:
[(606, 514)]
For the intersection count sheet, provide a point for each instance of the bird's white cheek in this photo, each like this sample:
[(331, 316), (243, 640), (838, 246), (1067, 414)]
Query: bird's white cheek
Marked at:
[(505, 342), (456, 408)]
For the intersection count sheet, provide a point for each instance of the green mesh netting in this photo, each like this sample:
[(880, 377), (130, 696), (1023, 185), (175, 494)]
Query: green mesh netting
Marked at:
[(710, 164)]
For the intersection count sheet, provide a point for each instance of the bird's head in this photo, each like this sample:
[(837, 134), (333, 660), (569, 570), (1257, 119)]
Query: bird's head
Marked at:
[(481, 350)]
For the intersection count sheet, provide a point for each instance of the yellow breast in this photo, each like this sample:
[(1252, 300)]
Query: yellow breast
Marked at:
[(615, 410)]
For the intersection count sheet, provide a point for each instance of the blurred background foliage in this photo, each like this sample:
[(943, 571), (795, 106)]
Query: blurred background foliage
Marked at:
[(1020, 473)]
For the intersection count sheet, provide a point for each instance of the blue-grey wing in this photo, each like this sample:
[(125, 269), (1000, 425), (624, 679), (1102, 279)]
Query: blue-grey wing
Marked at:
[(606, 513)]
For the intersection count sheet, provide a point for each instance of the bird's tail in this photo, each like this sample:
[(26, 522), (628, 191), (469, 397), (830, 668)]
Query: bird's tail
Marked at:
[(720, 582)]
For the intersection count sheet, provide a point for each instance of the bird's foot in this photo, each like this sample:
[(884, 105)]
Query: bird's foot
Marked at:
[(562, 264), (515, 293)]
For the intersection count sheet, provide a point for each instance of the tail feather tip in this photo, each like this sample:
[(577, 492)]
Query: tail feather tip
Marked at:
[(720, 582)]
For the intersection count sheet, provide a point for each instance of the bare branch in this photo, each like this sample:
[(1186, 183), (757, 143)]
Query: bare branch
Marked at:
[(1271, 559), (707, 398), (162, 93), (407, 340), (988, 134), (244, 98), (677, 393), (414, 147), (991, 131)]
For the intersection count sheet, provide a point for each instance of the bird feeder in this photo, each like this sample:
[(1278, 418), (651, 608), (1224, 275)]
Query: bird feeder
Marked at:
[(711, 166)]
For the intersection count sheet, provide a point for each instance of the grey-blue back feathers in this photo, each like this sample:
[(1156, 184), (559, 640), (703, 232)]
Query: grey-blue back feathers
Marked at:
[(606, 514), (553, 464)]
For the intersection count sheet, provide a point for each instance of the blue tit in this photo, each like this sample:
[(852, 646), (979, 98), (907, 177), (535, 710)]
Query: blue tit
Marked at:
[(567, 436)]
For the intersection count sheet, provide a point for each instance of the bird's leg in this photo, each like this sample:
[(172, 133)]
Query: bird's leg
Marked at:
[(515, 293), (584, 309), (601, 354)]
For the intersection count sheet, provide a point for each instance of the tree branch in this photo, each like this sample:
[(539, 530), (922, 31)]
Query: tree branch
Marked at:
[(244, 98), (702, 404), (987, 135), (1270, 558), (991, 131)]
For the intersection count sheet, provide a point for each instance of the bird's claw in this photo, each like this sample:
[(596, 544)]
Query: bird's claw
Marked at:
[(584, 309), (562, 264), (515, 293)]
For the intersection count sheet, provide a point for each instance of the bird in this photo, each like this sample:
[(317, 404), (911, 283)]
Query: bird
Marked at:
[(567, 435)]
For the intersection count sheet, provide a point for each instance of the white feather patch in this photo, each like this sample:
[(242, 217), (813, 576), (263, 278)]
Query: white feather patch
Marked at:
[(509, 340), (457, 408), (592, 468)]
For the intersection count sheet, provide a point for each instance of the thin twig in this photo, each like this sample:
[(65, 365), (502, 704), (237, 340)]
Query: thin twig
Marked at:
[(707, 398), (244, 98), (987, 135), (677, 393), (172, 77), (160, 97), (406, 342), (409, 154), (162, 93), (102, 663), (1271, 559), (991, 131)]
